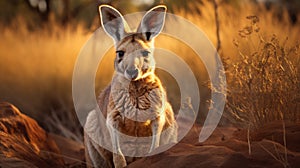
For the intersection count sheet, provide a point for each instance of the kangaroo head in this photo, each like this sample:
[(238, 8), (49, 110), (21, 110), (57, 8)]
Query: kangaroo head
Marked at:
[(134, 50)]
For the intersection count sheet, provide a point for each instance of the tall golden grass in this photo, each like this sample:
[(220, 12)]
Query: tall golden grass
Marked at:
[(36, 66), (36, 69)]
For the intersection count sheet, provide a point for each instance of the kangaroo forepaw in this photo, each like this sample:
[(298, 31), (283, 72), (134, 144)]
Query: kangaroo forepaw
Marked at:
[(119, 161)]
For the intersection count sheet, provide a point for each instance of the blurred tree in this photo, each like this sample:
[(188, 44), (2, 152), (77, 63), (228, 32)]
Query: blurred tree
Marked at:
[(130, 6), (41, 6), (7, 12), (187, 6), (64, 11), (35, 13), (292, 6), (10, 10)]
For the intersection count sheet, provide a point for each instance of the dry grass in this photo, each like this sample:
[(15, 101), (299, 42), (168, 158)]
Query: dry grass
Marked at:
[(264, 84), (255, 49), (36, 67)]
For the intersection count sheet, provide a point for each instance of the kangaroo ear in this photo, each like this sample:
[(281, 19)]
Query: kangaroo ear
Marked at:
[(112, 22), (153, 22)]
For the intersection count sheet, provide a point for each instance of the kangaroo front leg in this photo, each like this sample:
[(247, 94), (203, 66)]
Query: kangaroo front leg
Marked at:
[(113, 121), (156, 127)]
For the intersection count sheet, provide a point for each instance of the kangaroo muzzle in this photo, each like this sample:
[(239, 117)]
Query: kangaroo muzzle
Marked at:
[(132, 73)]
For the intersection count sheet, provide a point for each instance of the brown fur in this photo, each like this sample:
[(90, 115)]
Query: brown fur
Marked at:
[(139, 96), (129, 127), (135, 106)]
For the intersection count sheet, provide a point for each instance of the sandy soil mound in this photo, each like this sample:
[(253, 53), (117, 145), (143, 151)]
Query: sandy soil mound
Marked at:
[(228, 147), (23, 143)]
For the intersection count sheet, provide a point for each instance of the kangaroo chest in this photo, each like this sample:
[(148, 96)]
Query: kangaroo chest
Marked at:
[(139, 101), (137, 105)]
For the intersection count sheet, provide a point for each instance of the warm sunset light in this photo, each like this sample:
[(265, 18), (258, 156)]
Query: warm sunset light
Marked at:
[(258, 49)]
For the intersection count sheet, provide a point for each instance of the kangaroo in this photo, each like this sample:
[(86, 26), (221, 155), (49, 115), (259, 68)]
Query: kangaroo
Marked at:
[(135, 103)]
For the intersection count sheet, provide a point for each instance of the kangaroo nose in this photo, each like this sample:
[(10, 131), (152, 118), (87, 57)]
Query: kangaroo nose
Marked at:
[(133, 73)]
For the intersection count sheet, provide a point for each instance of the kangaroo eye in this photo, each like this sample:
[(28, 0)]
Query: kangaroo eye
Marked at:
[(145, 53), (120, 53)]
